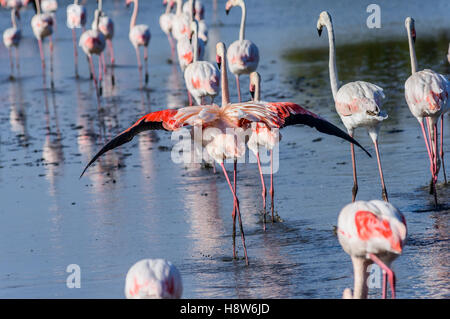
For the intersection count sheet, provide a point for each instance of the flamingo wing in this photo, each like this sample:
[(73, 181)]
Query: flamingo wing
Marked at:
[(292, 114), (160, 120)]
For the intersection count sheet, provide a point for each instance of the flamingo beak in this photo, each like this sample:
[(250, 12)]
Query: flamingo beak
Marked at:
[(218, 61), (413, 35), (319, 31), (252, 93)]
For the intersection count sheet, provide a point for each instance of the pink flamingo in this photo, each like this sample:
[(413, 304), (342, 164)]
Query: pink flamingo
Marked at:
[(373, 231), (426, 93), (11, 38), (93, 42), (76, 18), (357, 103), (153, 279), (181, 22), (42, 25), (139, 36), (14, 4), (216, 123), (243, 55), (165, 22), (201, 77), (106, 26)]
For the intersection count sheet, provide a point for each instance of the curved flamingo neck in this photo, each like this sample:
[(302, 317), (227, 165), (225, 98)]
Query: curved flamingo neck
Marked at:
[(360, 289), (332, 60), (257, 94), (412, 51), (38, 7), (195, 39), (13, 18), (168, 7), (179, 8), (224, 78), (243, 18), (134, 15)]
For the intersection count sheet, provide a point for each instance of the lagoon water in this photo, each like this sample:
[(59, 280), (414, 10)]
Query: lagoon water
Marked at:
[(136, 203)]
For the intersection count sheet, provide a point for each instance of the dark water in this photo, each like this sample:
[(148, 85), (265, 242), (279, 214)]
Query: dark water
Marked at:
[(135, 203)]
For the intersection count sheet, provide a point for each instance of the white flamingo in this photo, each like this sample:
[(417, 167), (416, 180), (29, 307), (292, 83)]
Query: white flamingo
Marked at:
[(357, 103), (242, 55), (201, 77), (106, 26), (373, 231), (76, 18), (11, 38), (181, 22), (153, 279), (427, 96), (139, 36), (165, 22)]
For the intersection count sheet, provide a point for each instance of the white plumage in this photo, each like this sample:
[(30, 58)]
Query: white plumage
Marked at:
[(153, 279), (76, 16)]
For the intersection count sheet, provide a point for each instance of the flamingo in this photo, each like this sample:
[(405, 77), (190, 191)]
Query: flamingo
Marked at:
[(426, 93), (357, 103), (93, 42), (139, 36), (50, 7), (181, 22), (153, 279), (11, 38), (373, 231), (199, 10), (201, 77), (243, 55), (216, 122), (106, 26), (42, 25), (165, 22), (14, 4), (76, 18)]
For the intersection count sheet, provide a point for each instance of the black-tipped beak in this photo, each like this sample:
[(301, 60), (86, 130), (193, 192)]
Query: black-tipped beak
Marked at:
[(227, 11), (252, 93), (319, 31), (219, 65)]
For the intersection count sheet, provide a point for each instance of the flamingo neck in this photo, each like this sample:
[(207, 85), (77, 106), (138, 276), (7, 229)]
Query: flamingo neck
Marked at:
[(224, 79), (332, 61), (191, 5), (168, 7), (134, 15), (243, 18), (412, 51), (100, 5), (195, 39), (38, 7), (75, 2), (257, 94), (179, 8), (13, 18), (360, 289)]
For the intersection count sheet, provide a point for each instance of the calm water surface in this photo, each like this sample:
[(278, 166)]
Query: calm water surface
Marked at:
[(137, 203)]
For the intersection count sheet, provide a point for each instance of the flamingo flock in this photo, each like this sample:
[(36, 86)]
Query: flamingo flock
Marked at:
[(369, 231)]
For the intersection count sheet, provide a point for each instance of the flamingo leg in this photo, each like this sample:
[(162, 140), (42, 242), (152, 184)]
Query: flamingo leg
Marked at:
[(138, 57), (41, 52), (390, 274), (383, 187), (75, 52), (11, 64), (17, 59), (111, 52), (52, 83), (238, 211), (91, 65), (100, 74), (172, 47), (234, 209), (355, 177), (238, 88), (442, 148), (146, 64), (271, 190), (384, 287), (263, 190), (189, 98)]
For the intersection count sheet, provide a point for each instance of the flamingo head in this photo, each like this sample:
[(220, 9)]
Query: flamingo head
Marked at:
[(232, 3), (255, 81), (220, 52), (128, 2), (409, 25), (324, 20)]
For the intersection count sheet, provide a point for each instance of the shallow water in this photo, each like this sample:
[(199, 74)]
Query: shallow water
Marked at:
[(135, 203)]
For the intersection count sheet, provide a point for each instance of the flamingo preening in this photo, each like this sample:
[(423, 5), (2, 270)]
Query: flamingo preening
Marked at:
[(426, 93), (76, 18), (93, 42), (221, 129), (373, 231), (153, 279), (11, 38), (201, 77), (139, 36), (42, 25), (165, 22), (242, 55), (357, 103)]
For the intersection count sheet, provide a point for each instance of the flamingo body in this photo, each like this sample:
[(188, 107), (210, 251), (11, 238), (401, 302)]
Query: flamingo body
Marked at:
[(92, 42), (42, 25), (14, 4), (185, 52), (165, 22), (154, 279), (106, 26), (12, 37), (199, 9), (49, 5), (140, 35), (242, 57), (76, 16), (202, 79)]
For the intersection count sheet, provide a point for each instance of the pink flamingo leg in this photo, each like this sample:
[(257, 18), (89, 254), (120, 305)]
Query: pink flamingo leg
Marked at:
[(11, 64), (238, 211), (233, 214), (102, 56), (113, 60), (100, 74), (138, 57), (51, 62), (384, 287), (75, 52), (172, 47), (146, 64), (41, 52), (383, 187), (189, 98), (272, 189), (388, 271), (91, 65), (442, 148), (238, 88), (355, 177), (263, 190), (17, 59)]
